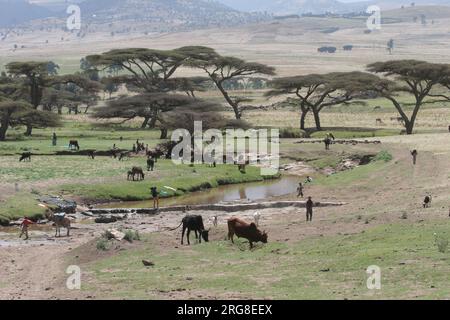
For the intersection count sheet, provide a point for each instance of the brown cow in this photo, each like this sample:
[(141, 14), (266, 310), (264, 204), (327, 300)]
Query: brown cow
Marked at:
[(245, 230)]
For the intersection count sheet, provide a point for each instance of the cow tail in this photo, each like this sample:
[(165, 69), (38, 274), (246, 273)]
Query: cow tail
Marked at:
[(176, 227)]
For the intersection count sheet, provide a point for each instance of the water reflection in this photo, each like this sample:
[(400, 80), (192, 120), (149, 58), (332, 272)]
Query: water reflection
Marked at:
[(249, 191)]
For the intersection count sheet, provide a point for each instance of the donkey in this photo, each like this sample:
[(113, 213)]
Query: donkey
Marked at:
[(60, 222)]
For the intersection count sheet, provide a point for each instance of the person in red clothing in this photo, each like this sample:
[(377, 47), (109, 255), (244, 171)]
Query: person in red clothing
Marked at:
[(25, 223)]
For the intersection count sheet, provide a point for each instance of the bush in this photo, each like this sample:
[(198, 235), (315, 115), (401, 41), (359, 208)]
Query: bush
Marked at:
[(291, 133), (131, 235), (102, 244), (383, 156), (4, 221), (441, 243)]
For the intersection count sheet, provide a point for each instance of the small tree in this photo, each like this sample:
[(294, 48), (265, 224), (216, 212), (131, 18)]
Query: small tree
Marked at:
[(416, 78), (35, 77), (221, 70), (149, 106), (315, 92), (14, 113)]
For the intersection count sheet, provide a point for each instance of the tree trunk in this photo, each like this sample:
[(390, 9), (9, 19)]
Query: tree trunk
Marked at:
[(164, 133), (3, 129), (303, 120), (29, 130), (317, 120), (411, 123), (145, 123), (409, 126), (230, 101), (153, 120), (237, 113)]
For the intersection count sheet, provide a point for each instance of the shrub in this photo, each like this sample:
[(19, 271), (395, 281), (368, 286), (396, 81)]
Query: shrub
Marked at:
[(102, 244), (4, 221), (291, 133), (383, 156), (441, 243), (131, 235)]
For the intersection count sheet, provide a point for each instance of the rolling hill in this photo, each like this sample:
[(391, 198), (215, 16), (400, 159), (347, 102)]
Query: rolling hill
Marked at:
[(149, 15), (14, 12)]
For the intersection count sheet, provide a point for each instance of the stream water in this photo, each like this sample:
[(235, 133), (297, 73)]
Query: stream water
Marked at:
[(229, 193)]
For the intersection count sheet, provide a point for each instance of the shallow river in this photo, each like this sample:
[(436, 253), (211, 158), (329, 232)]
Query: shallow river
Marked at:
[(247, 191)]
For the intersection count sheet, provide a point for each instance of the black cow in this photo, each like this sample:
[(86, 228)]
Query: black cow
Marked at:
[(91, 154), (124, 155), (25, 156), (194, 223), (73, 144)]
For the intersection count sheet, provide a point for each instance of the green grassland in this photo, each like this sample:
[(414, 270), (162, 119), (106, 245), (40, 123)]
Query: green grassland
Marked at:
[(315, 268)]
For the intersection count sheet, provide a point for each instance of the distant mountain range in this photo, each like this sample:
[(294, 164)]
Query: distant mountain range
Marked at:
[(14, 12), (161, 15), (280, 7), (176, 15)]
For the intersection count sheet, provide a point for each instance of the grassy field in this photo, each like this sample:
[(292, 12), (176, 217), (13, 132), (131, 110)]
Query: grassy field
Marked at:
[(314, 268), (104, 179)]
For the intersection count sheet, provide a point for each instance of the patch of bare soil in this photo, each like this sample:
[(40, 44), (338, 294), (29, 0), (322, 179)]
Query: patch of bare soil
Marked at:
[(298, 169)]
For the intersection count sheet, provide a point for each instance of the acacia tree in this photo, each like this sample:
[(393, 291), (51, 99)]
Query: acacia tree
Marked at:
[(149, 106), (315, 92), (147, 72), (419, 79), (146, 69), (14, 111), (222, 69), (35, 77), (8, 111)]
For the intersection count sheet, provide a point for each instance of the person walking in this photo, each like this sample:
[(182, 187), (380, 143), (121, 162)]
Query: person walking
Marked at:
[(414, 154), (24, 227), (300, 190), (309, 209)]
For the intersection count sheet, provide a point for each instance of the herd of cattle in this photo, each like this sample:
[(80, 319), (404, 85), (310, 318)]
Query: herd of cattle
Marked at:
[(236, 227)]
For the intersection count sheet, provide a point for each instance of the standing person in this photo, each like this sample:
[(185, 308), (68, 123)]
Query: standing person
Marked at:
[(414, 154), (134, 148), (25, 223), (329, 140), (150, 164), (309, 209), (155, 196), (54, 139), (300, 190)]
